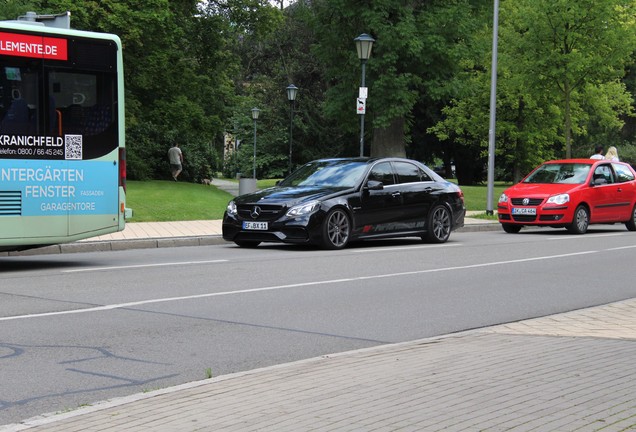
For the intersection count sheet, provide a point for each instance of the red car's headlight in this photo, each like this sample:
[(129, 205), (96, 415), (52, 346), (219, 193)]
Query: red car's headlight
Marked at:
[(559, 199)]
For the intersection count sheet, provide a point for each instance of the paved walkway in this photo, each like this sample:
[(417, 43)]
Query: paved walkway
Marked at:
[(568, 372)]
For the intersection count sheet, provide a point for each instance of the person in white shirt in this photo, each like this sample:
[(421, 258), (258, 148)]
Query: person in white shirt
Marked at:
[(176, 160), (598, 153)]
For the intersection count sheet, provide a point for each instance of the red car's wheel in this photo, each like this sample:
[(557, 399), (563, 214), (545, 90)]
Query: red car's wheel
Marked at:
[(581, 220), (631, 224), (511, 229)]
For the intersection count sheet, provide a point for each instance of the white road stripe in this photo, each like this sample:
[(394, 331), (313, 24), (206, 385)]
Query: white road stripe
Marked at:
[(282, 287), (400, 248), (582, 237), (143, 265)]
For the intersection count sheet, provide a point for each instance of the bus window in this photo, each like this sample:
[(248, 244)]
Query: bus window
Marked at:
[(81, 109), (19, 101)]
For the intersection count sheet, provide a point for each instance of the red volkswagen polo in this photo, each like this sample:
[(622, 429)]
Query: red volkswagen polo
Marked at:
[(571, 194)]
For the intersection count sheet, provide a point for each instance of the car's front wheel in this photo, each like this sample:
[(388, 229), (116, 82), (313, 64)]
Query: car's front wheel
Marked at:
[(336, 229), (631, 224), (581, 220), (439, 224), (511, 229)]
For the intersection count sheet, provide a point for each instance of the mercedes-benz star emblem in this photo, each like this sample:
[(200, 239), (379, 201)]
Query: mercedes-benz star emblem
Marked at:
[(256, 212), (525, 201)]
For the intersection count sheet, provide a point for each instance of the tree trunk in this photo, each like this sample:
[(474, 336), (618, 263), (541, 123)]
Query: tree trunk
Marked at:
[(389, 141)]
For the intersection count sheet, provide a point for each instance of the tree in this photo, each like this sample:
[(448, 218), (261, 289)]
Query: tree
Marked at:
[(572, 50), (413, 62), (535, 115)]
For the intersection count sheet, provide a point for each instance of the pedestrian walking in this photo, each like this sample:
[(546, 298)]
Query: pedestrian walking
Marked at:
[(175, 156)]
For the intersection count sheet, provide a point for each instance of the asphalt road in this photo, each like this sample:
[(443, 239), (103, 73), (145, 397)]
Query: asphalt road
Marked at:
[(77, 328)]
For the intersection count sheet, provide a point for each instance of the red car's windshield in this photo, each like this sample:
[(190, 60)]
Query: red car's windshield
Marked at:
[(569, 173)]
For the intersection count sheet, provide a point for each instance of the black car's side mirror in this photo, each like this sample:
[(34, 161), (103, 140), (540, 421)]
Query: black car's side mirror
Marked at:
[(374, 185)]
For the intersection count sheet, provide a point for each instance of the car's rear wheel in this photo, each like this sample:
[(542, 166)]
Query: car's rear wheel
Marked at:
[(581, 220), (511, 229), (246, 243), (439, 224), (336, 229), (631, 224)]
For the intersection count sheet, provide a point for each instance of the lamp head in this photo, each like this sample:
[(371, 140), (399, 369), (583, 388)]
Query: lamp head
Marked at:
[(292, 91), (364, 43)]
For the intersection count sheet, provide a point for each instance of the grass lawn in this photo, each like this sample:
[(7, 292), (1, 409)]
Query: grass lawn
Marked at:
[(476, 197), (164, 201)]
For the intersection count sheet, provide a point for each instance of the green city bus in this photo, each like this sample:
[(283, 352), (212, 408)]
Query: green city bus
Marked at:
[(62, 144)]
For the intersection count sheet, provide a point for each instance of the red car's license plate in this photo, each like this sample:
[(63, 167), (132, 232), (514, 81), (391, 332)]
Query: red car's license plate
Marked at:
[(524, 211)]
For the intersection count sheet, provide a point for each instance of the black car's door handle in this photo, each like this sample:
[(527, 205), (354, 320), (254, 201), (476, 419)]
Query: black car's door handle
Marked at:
[(395, 194)]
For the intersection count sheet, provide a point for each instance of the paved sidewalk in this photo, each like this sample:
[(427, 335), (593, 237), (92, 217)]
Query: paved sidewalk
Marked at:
[(567, 372)]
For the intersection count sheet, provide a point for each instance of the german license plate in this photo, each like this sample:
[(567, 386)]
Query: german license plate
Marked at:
[(258, 226), (524, 211)]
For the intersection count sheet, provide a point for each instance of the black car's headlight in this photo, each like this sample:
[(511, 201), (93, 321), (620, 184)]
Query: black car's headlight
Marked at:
[(231, 208), (303, 209)]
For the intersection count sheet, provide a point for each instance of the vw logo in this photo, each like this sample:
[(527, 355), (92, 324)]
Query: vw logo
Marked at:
[(256, 212), (525, 201)]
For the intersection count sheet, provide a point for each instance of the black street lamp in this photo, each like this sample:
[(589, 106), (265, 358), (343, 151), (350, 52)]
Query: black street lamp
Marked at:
[(292, 91), (255, 114), (364, 43)]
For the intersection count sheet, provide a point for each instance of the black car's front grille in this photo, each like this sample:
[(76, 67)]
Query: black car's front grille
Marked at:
[(531, 201), (257, 212)]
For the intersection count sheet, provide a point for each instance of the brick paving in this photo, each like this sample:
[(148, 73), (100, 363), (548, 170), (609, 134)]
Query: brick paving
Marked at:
[(567, 372)]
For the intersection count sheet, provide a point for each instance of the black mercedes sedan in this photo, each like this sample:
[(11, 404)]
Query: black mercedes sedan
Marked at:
[(331, 202)]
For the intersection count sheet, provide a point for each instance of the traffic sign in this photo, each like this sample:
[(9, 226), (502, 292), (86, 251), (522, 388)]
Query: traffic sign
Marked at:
[(362, 108)]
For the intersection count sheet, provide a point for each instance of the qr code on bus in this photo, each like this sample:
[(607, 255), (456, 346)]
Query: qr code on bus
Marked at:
[(73, 147)]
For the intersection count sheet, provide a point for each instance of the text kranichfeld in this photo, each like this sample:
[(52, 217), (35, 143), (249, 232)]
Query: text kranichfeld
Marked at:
[(31, 141)]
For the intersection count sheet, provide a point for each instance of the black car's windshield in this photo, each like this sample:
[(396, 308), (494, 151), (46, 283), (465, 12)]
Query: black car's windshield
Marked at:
[(571, 173), (333, 173)]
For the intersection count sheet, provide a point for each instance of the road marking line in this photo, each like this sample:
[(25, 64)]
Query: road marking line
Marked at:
[(143, 265), (282, 287), (400, 248), (586, 236), (622, 247)]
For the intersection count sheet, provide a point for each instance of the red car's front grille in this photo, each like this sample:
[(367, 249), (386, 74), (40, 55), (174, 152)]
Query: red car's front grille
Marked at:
[(531, 201)]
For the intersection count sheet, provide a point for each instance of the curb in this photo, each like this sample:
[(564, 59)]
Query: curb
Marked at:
[(118, 245), (168, 242)]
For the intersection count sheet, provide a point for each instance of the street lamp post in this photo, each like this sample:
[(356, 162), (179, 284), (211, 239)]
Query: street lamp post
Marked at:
[(364, 43), (255, 114), (292, 91)]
